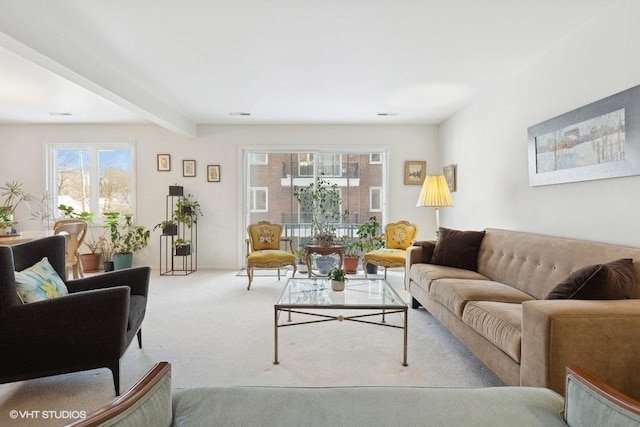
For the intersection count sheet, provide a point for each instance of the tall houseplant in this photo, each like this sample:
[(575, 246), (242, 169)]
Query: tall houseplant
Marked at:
[(321, 200), (126, 238)]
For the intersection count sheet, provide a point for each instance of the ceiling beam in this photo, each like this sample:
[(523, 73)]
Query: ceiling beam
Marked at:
[(24, 35)]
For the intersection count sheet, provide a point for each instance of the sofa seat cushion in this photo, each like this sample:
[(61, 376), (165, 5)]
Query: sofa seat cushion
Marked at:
[(424, 274), (499, 322), (455, 293)]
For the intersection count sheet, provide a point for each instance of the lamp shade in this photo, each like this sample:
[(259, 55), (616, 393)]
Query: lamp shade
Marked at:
[(435, 192)]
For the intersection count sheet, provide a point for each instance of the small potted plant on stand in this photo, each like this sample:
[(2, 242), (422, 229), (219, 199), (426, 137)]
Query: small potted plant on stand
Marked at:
[(126, 238), (338, 277), (182, 247), (168, 227)]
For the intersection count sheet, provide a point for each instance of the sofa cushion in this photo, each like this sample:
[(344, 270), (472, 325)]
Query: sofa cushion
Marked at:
[(39, 282), (424, 274), (457, 248), (455, 293), (499, 322), (614, 280)]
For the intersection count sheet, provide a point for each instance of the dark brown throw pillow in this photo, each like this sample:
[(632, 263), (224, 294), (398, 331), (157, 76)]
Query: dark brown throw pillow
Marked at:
[(614, 280), (458, 249)]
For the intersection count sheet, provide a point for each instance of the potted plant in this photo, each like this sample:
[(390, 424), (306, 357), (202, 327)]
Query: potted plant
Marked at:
[(370, 240), (91, 261), (169, 227), (352, 256), (187, 210), (338, 277), (321, 201), (69, 212), (182, 247), (301, 260), (106, 247), (14, 195), (176, 190), (126, 238), (6, 224)]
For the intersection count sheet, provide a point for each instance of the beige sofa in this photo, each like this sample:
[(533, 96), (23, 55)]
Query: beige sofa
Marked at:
[(500, 312)]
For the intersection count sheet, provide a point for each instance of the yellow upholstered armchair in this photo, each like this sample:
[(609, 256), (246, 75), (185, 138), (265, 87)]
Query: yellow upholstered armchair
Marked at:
[(398, 236), (263, 249)]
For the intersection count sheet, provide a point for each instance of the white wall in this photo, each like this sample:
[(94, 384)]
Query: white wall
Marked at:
[(488, 140), (220, 231)]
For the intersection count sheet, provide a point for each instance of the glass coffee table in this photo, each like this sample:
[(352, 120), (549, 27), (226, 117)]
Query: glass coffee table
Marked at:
[(372, 299)]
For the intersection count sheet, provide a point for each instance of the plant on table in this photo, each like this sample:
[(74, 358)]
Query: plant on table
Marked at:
[(14, 195), (321, 200)]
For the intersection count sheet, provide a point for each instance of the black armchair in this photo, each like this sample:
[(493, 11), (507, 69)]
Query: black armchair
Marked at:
[(88, 329)]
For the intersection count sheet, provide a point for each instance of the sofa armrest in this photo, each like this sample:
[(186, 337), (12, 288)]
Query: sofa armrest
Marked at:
[(147, 403), (600, 336), (135, 278), (419, 253), (591, 402)]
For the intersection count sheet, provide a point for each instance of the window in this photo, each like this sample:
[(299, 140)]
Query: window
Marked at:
[(375, 158), (270, 192), (258, 159), (259, 199), (375, 199), (95, 178)]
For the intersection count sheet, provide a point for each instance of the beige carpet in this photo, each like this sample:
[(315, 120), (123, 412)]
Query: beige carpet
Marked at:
[(215, 332)]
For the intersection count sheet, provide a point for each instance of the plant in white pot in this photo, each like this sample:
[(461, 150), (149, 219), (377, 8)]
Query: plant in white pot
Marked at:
[(301, 260), (126, 238), (338, 278)]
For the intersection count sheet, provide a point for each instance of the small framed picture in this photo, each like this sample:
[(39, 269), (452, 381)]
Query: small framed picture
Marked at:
[(414, 172), (188, 168), (213, 173), (164, 162), (450, 176)]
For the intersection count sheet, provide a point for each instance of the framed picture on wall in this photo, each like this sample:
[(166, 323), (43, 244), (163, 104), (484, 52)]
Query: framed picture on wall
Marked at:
[(188, 168), (164, 162), (414, 172), (450, 176), (213, 173)]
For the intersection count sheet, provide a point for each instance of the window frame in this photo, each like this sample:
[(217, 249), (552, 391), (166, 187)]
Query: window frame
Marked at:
[(380, 198), (94, 148), (252, 199)]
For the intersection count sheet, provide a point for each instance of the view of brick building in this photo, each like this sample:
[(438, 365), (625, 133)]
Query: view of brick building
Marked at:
[(273, 178)]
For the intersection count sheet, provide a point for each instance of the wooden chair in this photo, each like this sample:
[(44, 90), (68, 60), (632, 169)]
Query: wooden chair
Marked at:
[(74, 231), (398, 236), (263, 249)]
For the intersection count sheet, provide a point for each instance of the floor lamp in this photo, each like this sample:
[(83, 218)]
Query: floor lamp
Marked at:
[(435, 193)]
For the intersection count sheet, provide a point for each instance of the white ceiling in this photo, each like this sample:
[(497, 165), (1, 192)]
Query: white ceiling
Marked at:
[(181, 63)]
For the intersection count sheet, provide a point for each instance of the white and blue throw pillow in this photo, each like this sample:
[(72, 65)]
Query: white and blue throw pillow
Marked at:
[(39, 282)]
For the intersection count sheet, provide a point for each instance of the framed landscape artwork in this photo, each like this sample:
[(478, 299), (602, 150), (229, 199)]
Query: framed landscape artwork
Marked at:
[(414, 172), (164, 162), (597, 141)]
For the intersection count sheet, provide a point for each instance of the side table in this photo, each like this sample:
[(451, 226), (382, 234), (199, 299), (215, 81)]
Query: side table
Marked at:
[(323, 250)]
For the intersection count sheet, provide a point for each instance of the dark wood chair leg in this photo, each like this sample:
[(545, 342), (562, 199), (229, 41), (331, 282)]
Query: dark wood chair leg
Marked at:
[(139, 338)]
